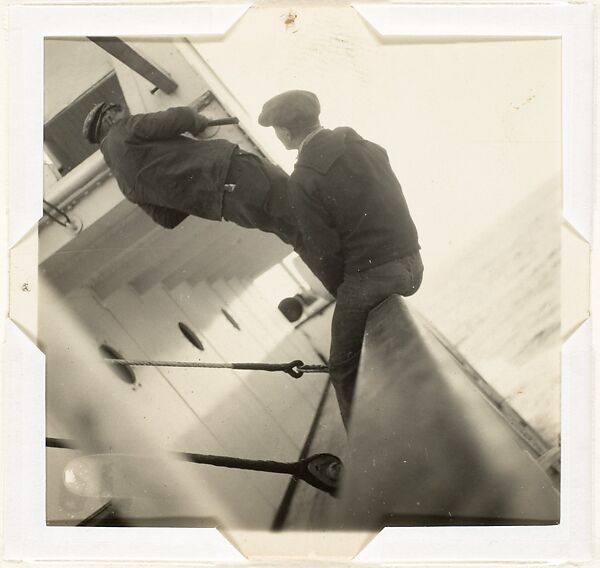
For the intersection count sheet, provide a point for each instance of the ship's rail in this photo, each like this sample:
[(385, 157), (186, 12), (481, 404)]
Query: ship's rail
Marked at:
[(426, 445)]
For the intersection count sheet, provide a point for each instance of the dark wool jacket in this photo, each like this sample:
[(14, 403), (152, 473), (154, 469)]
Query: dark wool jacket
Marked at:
[(168, 175), (349, 206)]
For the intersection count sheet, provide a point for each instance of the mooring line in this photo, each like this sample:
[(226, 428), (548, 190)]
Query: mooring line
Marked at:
[(294, 368)]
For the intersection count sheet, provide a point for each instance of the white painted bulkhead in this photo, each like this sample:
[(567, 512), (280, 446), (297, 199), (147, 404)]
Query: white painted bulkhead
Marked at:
[(129, 283)]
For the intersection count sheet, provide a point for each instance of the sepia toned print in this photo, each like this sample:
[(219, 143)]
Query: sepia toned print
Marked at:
[(187, 384)]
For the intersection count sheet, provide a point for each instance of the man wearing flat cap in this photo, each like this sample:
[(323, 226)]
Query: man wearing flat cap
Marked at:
[(171, 176), (354, 221)]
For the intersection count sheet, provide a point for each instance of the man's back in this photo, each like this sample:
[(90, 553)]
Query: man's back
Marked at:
[(150, 158), (350, 205)]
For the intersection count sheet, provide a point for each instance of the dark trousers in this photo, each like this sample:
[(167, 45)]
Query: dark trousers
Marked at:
[(358, 294), (259, 199)]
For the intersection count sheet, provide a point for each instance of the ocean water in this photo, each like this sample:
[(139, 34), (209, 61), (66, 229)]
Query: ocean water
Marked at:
[(499, 306)]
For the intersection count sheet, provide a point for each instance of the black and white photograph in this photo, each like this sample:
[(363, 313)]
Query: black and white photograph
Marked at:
[(304, 278)]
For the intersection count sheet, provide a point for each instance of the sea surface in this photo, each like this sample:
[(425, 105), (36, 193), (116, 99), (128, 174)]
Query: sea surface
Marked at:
[(498, 304)]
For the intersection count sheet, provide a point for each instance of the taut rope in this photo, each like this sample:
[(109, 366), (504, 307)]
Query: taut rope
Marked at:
[(295, 368)]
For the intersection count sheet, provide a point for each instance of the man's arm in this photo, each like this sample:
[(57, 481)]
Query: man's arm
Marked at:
[(321, 247), (168, 123), (168, 218)]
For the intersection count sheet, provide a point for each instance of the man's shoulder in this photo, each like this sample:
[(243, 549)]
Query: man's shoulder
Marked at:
[(120, 129), (332, 140), (126, 127), (326, 148)]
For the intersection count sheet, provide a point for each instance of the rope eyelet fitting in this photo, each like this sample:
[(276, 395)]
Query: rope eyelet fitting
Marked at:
[(293, 370)]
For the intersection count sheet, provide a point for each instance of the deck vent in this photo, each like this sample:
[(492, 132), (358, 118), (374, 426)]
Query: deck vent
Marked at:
[(191, 336), (124, 372)]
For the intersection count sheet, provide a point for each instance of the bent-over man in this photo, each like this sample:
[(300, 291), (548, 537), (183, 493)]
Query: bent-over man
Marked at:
[(354, 221), (171, 176)]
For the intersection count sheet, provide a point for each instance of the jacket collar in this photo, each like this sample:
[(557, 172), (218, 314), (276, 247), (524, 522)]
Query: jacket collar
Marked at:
[(308, 138), (324, 149)]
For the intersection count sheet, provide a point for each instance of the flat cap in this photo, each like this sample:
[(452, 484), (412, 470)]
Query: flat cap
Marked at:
[(289, 109), (91, 124)]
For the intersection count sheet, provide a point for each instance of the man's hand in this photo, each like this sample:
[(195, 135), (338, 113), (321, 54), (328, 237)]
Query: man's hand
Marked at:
[(201, 125)]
